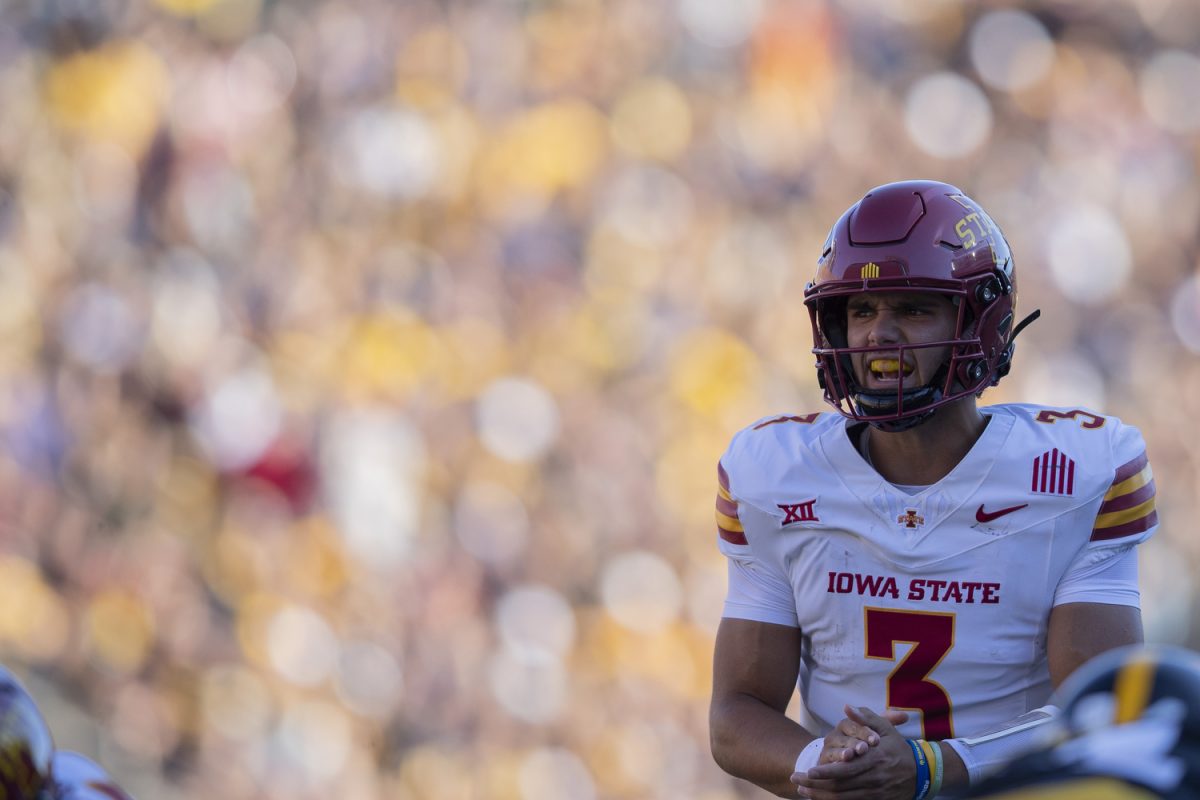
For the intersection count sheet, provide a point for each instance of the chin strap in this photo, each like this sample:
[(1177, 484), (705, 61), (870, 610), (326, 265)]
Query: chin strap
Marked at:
[(872, 403), (881, 403), (1006, 360), (1023, 324)]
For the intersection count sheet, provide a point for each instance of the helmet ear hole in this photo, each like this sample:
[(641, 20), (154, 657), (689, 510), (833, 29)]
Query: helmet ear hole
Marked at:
[(987, 292)]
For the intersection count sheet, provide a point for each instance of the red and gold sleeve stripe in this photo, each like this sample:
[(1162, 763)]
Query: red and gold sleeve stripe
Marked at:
[(728, 524), (1128, 507)]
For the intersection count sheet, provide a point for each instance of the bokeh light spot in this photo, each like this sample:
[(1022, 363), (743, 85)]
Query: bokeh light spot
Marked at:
[(1089, 253), (555, 772), (1011, 49), (369, 680), (491, 522), (642, 591), (1170, 89), (545, 149), (719, 24), (238, 418), (99, 328), (120, 629), (713, 369), (188, 7), (33, 619), (517, 419), (1062, 379), (115, 92), (1185, 313), (105, 178), (947, 115), (391, 152), (749, 264), (235, 702), (536, 620), (652, 119), (261, 74), (317, 738), (649, 206), (372, 463), (301, 645), (186, 308), (533, 688)]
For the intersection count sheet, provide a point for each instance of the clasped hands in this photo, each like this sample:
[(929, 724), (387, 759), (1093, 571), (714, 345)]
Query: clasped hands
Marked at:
[(864, 758)]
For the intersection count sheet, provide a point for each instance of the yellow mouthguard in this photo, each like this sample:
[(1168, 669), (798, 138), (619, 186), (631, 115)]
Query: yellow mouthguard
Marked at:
[(885, 365)]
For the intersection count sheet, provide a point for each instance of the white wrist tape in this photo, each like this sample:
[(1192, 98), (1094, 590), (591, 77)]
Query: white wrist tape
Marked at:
[(809, 755), (985, 753)]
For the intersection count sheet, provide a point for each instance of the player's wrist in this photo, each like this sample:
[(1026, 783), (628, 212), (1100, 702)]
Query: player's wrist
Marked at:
[(984, 754), (938, 768), (924, 777), (810, 755), (955, 776)]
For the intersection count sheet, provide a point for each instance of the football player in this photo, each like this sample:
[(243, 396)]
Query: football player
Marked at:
[(1129, 730), (924, 569)]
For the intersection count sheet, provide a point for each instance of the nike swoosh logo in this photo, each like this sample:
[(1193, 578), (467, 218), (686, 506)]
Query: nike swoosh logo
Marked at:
[(985, 516)]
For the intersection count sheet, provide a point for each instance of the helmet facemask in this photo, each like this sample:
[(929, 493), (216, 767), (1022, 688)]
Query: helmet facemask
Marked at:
[(908, 405)]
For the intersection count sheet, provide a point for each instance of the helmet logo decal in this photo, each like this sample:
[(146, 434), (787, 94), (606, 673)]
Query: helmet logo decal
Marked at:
[(874, 269), (966, 234), (976, 220)]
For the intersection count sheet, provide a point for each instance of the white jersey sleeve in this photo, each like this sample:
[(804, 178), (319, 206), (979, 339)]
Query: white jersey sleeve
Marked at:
[(1127, 514), (757, 592), (1113, 581), (1105, 570)]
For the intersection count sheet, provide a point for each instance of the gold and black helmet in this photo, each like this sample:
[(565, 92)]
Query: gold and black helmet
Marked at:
[(26, 748), (1127, 684)]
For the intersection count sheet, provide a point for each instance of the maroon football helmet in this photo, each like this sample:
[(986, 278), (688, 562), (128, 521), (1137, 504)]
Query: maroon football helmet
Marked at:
[(26, 747), (918, 236)]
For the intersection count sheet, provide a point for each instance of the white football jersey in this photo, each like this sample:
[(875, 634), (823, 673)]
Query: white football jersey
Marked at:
[(936, 603)]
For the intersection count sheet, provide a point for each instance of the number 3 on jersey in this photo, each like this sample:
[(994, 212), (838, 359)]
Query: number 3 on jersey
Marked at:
[(909, 686)]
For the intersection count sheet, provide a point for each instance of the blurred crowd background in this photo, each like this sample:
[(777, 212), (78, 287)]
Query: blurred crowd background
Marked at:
[(364, 364)]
